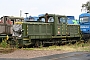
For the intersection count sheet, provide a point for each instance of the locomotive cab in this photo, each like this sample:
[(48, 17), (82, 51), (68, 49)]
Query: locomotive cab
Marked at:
[(84, 21), (6, 23), (16, 19), (59, 23)]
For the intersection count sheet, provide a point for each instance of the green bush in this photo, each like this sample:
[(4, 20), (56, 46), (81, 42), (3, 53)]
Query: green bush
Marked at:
[(4, 44)]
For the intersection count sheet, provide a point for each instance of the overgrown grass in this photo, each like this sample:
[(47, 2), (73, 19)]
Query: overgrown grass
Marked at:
[(4, 44), (5, 48), (79, 46)]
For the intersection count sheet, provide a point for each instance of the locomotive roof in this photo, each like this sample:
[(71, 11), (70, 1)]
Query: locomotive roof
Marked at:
[(13, 17), (84, 14), (54, 15)]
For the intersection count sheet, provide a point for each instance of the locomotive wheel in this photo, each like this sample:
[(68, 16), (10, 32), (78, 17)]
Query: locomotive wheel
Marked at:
[(39, 43)]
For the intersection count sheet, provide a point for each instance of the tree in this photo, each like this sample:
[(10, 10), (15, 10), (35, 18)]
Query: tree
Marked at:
[(86, 6)]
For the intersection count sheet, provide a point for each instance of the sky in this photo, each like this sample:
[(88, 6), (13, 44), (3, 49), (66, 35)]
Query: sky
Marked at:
[(36, 7)]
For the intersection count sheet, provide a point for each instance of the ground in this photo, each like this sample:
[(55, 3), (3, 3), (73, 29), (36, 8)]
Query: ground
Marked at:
[(28, 53), (45, 55), (20, 53)]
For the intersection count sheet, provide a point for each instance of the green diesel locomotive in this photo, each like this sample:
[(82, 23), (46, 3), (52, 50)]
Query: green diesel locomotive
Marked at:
[(50, 28)]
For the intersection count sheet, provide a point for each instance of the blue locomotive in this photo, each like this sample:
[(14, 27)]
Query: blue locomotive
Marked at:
[(84, 21)]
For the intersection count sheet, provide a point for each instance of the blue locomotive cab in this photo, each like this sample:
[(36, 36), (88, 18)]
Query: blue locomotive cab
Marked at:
[(70, 19), (84, 21)]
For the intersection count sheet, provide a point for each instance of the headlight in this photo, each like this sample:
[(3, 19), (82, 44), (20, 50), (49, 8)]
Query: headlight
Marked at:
[(22, 30)]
